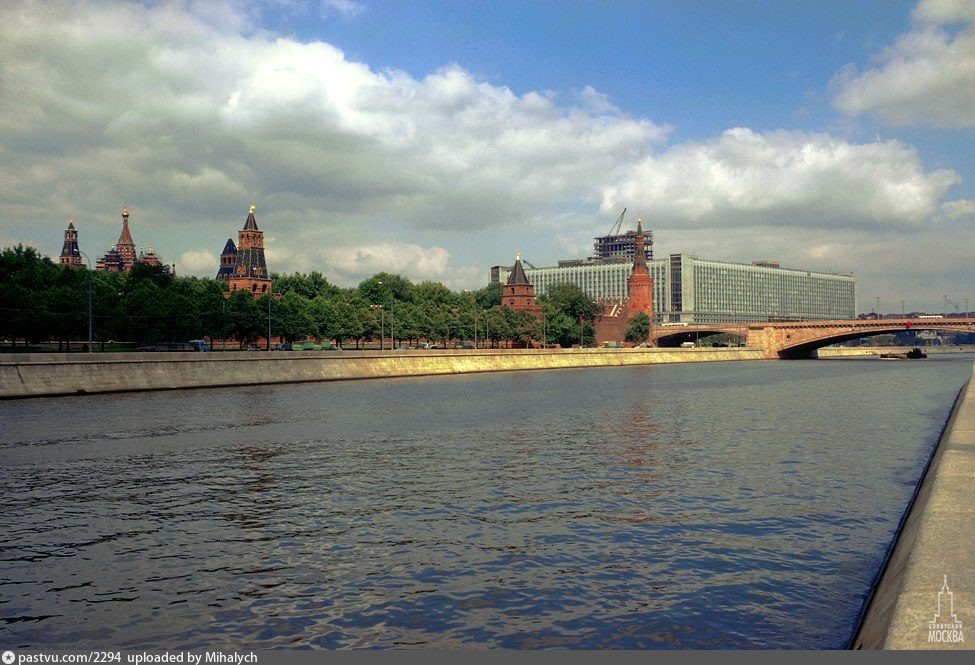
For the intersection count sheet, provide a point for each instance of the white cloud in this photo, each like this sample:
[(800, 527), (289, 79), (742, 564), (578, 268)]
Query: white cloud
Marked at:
[(959, 209), (199, 262), (167, 106), (190, 111), (926, 77), (344, 7), (782, 178), (353, 264)]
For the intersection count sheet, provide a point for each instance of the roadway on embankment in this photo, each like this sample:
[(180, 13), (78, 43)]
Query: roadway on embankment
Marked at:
[(934, 546), (48, 374)]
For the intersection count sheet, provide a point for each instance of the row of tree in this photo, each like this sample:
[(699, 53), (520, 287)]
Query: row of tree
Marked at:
[(41, 301)]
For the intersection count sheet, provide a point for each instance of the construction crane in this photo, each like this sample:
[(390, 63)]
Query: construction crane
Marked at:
[(619, 224), (528, 264)]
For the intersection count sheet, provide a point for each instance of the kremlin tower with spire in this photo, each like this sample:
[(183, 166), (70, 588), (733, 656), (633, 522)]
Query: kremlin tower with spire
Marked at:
[(121, 257), (639, 285), (250, 268), (228, 259), (518, 293), (70, 254), (611, 324)]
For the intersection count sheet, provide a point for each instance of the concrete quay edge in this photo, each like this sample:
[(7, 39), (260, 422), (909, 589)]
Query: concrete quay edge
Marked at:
[(51, 374), (934, 545)]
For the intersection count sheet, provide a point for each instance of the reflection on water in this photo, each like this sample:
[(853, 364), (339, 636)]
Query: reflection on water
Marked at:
[(712, 505)]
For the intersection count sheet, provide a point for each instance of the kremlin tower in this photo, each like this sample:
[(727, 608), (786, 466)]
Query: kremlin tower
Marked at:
[(612, 323), (70, 254), (639, 285), (250, 268), (149, 258), (518, 293), (125, 246), (121, 257), (228, 259)]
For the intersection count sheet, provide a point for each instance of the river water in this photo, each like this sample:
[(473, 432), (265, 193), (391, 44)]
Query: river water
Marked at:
[(710, 505)]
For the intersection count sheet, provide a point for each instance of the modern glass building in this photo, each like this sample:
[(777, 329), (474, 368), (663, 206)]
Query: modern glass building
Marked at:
[(692, 290)]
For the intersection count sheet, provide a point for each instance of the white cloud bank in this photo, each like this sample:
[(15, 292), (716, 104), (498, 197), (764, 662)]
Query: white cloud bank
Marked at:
[(926, 77), (187, 112), (781, 179)]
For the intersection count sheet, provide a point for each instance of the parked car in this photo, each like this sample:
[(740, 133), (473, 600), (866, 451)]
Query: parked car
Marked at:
[(283, 346)]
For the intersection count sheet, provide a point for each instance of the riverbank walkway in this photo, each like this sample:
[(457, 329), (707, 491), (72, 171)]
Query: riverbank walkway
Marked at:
[(926, 596)]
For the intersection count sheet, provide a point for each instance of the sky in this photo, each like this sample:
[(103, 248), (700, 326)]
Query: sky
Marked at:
[(436, 139)]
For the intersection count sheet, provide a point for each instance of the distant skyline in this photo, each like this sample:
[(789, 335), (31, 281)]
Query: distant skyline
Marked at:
[(435, 139)]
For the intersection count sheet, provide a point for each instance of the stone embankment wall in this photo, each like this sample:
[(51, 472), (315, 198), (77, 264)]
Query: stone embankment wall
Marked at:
[(39, 374), (933, 549)]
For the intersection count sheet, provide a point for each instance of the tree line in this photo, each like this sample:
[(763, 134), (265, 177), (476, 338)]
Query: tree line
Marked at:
[(42, 301)]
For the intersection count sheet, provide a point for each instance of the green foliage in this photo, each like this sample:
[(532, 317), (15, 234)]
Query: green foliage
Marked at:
[(246, 320), (638, 328), (382, 288), (571, 301), (307, 286), (41, 301)]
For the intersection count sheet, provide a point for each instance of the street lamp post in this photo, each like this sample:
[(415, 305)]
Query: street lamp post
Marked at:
[(270, 295), (382, 328), (90, 319), (392, 315)]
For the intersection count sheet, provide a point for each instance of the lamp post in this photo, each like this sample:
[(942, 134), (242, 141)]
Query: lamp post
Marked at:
[(392, 315), (270, 296), (475, 319), (382, 326), (90, 320)]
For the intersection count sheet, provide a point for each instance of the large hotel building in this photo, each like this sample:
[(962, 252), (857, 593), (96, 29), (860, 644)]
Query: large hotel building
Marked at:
[(687, 289)]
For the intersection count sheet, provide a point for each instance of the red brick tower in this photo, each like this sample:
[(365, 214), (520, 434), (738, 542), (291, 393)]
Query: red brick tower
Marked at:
[(639, 285), (250, 268), (518, 293), (125, 247), (70, 254)]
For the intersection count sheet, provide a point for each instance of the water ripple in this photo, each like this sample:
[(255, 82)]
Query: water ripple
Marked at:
[(711, 506)]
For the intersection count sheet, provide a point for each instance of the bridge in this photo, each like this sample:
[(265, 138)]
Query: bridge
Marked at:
[(800, 339)]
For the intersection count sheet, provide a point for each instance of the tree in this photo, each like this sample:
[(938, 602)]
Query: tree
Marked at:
[(489, 296), (638, 328), (308, 286), (496, 326), (522, 326), (434, 292), (291, 317), (25, 276), (375, 293), (571, 301), (323, 318), (246, 320)]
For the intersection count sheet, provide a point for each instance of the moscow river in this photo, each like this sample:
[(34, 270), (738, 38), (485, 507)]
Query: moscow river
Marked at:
[(713, 505)]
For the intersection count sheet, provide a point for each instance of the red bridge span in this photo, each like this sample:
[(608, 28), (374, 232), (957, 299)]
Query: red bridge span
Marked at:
[(800, 339)]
